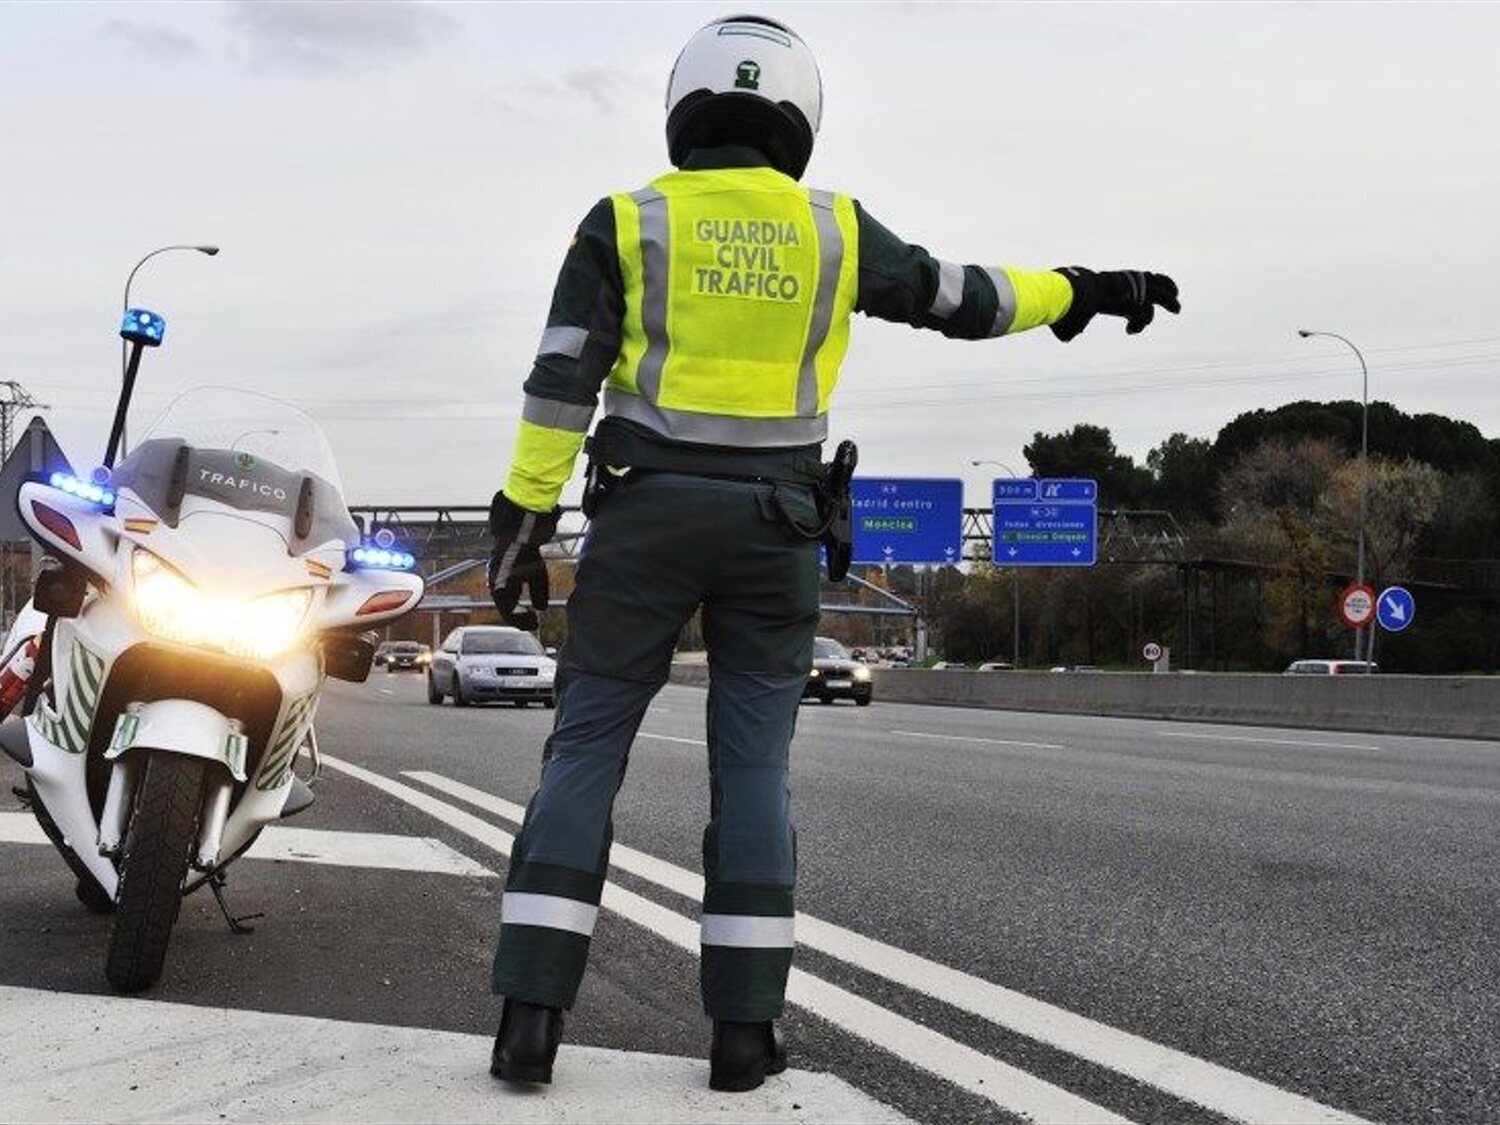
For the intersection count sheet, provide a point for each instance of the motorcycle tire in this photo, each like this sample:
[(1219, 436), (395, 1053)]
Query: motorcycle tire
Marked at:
[(459, 698), (87, 888), (158, 847), (434, 696)]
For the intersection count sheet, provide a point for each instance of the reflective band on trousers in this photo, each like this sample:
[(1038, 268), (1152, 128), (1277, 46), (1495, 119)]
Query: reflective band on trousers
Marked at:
[(748, 931), (519, 908), (950, 290), (563, 341), (1005, 314)]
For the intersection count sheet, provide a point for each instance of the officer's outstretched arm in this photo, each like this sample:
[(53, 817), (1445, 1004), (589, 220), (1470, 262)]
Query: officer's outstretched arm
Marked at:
[(901, 281)]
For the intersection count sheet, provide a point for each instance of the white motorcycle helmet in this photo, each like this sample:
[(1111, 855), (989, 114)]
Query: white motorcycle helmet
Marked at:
[(749, 80)]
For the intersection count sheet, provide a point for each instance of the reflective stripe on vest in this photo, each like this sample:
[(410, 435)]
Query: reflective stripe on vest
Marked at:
[(739, 285)]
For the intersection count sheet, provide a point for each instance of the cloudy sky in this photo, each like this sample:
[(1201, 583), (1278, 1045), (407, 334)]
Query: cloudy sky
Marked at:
[(394, 184)]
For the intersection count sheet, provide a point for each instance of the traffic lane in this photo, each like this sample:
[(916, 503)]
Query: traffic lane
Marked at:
[(400, 948), (1219, 906), (1226, 909)]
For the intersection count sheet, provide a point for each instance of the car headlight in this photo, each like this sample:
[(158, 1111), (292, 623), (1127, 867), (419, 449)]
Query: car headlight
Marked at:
[(814, 674), (171, 607), (861, 673)]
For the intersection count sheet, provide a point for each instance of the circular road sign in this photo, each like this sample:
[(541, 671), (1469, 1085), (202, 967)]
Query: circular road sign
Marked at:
[(1152, 651), (1357, 605), (1395, 609)]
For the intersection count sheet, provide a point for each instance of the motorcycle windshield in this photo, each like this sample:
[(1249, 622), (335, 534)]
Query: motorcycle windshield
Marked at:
[(245, 451)]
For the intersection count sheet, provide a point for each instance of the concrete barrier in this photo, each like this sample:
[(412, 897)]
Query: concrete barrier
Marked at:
[(1456, 706)]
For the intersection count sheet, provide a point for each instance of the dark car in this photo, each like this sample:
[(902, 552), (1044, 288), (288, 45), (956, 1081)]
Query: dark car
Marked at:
[(836, 675), (404, 656)]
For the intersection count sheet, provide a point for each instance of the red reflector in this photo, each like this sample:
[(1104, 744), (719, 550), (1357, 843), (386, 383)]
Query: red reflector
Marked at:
[(384, 602), (57, 523)]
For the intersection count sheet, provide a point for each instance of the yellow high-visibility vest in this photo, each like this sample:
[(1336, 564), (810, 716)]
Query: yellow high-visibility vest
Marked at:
[(739, 286)]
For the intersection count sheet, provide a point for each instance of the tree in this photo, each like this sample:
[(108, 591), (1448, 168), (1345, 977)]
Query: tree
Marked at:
[(1273, 499), (1187, 478), (1404, 498), (1089, 451)]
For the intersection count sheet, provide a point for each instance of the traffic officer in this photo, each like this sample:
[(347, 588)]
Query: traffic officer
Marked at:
[(712, 308)]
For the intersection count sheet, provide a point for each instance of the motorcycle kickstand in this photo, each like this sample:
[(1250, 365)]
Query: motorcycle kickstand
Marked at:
[(216, 883)]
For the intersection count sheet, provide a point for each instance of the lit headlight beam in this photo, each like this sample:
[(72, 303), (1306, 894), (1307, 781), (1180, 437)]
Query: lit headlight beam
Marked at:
[(172, 608)]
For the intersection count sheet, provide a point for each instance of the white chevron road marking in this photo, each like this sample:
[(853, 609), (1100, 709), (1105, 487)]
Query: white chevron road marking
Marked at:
[(1005, 1086), (1182, 1075), (314, 845)]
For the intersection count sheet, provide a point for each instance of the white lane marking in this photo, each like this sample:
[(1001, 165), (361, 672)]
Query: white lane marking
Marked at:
[(1268, 741), (364, 849), (671, 738), (314, 845), (985, 741), (1005, 1086), (20, 828), (335, 1070), (1175, 1072)]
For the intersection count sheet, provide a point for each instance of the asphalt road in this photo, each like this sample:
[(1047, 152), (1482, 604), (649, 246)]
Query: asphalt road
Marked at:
[(1001, 911)]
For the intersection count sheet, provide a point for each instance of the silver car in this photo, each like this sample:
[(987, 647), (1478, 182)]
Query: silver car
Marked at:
[(485, 663)]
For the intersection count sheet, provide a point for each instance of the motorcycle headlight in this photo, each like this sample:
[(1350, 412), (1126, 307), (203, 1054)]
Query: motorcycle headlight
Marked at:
[(171, 607)]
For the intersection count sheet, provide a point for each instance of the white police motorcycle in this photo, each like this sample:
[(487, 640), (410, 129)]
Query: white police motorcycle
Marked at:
[(195, 600)]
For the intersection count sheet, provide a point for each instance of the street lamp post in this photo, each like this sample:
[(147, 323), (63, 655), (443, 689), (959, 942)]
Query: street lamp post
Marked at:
[(125, 306), (1015, 580), (1364, 465)]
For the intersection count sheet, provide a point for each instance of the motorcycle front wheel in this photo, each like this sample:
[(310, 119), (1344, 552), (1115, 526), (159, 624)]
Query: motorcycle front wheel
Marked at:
[(158, 847)]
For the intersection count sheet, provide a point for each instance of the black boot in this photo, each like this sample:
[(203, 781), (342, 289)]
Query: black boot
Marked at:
[(743, 1054), (527, 1042)]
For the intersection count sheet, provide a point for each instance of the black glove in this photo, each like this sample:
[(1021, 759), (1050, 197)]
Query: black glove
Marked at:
[(1132, 294), (516, 560)]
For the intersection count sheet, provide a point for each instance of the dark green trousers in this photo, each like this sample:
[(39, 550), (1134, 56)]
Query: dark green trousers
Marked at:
[(660, 547)]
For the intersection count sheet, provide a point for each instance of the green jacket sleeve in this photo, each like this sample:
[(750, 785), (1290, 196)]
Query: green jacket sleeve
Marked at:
[(577, 350), (902, 282)]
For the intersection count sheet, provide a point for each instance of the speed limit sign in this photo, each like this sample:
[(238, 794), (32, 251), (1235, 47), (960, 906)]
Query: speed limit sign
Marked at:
[(1152, 651), (1357, 606)]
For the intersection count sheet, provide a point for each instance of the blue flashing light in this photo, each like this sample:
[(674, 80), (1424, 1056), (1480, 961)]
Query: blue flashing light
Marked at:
[(382, 559), (84, 490), (142, 326)]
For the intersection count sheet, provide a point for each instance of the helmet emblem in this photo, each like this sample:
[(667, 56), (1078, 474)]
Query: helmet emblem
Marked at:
[(245, 461), (747, 75)]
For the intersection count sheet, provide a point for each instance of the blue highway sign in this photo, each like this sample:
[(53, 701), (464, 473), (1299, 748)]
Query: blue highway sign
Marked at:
[(1045, 522), (907, 520), (1395, 608)]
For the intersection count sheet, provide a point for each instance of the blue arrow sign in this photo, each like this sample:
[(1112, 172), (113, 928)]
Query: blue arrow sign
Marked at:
[(907, 520), (1395, 608), (1045, 522)]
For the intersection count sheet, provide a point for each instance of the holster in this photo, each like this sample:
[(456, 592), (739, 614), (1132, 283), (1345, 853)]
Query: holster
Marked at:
[(835, 526), (597, 479), (836, 504)]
